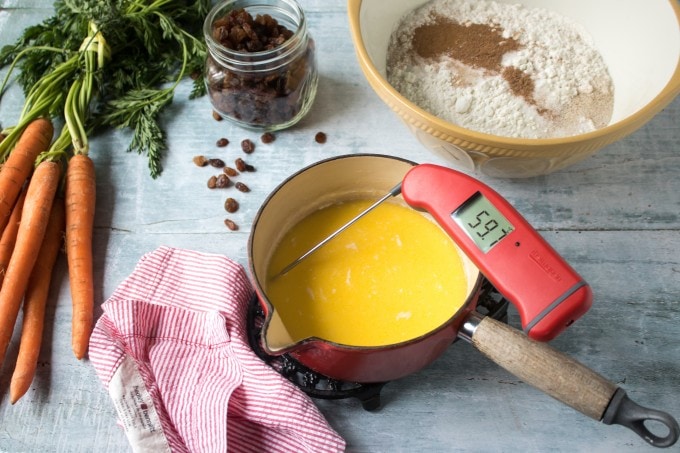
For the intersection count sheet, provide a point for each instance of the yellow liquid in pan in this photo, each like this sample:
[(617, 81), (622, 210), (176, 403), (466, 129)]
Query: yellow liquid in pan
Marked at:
[(391, 277)]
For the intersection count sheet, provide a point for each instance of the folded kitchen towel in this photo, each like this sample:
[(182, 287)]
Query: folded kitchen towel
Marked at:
[(171, 347)]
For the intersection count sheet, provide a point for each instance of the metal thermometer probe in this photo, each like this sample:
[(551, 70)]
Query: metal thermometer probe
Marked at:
[(392, 193)]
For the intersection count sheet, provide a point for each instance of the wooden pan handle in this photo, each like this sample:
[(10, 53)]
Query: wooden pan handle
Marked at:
[(542, 366)]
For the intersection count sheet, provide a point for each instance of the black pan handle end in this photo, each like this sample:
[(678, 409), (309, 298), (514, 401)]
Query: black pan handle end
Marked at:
[(623, 411)]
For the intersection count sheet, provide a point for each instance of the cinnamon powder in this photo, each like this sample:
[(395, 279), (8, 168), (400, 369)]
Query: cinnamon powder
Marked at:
[(521, 84), (478, 45)]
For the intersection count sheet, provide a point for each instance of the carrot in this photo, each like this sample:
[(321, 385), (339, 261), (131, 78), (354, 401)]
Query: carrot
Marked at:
[(9, 236), (35, 300), (80, 198), (35, 139), (37, 206)]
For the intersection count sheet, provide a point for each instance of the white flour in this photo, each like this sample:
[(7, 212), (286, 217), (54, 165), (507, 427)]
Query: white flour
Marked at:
[(573, 92)]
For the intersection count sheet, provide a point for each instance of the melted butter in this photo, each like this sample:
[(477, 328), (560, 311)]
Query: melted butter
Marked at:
[(391, 277)]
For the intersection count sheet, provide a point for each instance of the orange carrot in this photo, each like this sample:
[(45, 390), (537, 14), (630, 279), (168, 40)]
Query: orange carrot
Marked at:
[(80, 198), (37, 206), (9, 236), (35, 301), (35, 139)]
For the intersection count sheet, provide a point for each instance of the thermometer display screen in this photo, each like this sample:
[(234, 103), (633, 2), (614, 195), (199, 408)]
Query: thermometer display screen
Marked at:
[(480, 219)]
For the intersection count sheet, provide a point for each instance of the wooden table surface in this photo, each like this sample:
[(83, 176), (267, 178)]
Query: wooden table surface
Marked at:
[(614, 217)]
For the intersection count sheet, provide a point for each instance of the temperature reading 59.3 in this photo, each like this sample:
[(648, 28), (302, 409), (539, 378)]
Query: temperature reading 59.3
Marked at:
[(480, 219)]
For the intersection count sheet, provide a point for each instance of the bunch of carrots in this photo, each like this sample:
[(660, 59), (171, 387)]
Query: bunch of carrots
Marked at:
[(47, 194), (92, 65), (35, 211)]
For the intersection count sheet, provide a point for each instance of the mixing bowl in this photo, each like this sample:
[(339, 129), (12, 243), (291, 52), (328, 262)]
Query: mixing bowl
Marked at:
[(639, 41)]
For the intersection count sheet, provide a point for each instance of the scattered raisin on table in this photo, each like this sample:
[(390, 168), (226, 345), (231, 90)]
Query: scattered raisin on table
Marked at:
[(222, 181), (247, 146), (242, 187), (230, 171), (231, 205), (231, 224), (216, 116), (267, 138), (243, 166), (200, 161), (320, 137), (212, 182), (215, 162), (222, 142), (240, 165)]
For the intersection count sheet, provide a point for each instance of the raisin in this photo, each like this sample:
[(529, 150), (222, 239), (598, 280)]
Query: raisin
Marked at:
[(240, 164), (231, 205), (267, 138), (200, 161), (222, 181), (230, 171), (216, 116), (276, 95), (247, 146), (217, 163), (240, 31), (320, 137), (212, 182), (242, 187), (231, 224), (221, 143)]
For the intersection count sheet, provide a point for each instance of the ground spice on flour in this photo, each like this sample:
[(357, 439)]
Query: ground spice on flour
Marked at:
[(501, 69), (479, 45)]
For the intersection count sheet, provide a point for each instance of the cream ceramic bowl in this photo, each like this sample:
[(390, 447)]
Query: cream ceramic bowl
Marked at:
[(638, 39)]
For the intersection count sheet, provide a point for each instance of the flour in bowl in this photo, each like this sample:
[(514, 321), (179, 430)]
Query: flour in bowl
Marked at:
[(501, 69)]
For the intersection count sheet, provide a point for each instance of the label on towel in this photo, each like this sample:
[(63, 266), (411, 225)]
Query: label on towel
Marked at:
[(135, 408)]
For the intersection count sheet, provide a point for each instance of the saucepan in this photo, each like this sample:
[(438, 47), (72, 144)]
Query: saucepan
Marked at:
[(371, 176)]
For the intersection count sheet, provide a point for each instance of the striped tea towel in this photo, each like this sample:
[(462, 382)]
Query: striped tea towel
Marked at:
[(172, 349)]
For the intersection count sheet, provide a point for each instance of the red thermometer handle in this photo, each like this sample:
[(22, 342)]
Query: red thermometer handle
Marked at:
[(510, 253)]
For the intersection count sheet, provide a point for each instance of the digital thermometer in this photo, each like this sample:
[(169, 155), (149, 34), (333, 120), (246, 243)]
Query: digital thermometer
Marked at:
[(510, 253)]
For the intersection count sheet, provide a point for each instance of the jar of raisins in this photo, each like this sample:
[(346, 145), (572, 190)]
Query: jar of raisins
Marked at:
[(260, 70)]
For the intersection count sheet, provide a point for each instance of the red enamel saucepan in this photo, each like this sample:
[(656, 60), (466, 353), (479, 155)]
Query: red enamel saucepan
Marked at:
[(493, 237)]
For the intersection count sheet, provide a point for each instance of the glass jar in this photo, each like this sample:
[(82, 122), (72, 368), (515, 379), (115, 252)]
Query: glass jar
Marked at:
[(261, 87)]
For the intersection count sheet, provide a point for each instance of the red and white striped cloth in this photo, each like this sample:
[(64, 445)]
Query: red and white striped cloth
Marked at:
[(172, 349)]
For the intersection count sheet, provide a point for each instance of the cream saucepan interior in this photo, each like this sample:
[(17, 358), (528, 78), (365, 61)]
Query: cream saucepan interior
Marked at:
[(368, 176)]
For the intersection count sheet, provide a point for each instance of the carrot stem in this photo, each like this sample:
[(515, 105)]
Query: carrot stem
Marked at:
[(35, 301)]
